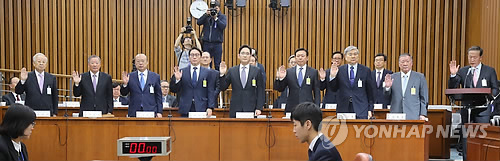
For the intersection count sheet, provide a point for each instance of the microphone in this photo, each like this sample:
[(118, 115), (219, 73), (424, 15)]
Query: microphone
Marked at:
[(465, 81)]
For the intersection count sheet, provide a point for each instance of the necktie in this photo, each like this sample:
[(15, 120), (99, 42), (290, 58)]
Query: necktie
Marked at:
[(195, 77), (116, 100), (351, 75), (301, 77), (405, 82), (243, 77), (94, 82), (143, 83), (40, 82), (379, 75), (18, 98), (476, 76)]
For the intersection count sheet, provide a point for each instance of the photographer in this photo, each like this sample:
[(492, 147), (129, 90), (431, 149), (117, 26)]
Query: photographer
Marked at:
[(214, 23), (183, 44)]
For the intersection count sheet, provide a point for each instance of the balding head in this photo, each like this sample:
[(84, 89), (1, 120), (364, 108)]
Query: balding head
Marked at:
[(141, 62)]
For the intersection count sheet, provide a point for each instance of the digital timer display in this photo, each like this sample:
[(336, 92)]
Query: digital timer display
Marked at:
[(141, 147)]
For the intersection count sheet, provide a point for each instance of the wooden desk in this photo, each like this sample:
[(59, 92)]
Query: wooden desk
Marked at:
[(397, 143), (439, 146), (486, 147)]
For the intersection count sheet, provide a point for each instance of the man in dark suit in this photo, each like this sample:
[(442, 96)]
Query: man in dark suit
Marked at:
[(306, 119), (117, 97), (95, 87), (248, 94), (475, 75), (378, 75), (330, 94), (40, 87), (355, 83), (144, 88), (12, 97), (284, 95), (194, 85), (302, 81), (165, 97)]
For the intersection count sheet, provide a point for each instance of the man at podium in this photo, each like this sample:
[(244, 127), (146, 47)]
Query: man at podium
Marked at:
[(475, 75)]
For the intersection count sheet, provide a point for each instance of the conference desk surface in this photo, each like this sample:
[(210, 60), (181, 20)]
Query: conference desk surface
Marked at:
[(439, 146), (60, 138)]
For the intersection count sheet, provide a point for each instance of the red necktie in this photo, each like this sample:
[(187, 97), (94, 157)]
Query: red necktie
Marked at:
[(18, 99)]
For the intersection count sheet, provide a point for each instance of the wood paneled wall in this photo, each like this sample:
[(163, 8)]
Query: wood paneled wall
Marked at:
[(68, 31)]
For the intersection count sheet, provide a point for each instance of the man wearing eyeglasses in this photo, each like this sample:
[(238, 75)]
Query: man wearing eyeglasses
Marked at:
[(166, 98), (378, 75), (330, 94)]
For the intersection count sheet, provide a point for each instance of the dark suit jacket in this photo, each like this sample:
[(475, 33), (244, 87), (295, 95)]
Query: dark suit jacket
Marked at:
[(249, 98), (101, 99), (123, 100), (8, 152), (172, 100), (379, 97), (330, 94), (362, 98), (488, 73), (215, 75), (281, 99), (138, 97), (204, 97), (9, 98), (37, 100), (324, 150), (298, 94)]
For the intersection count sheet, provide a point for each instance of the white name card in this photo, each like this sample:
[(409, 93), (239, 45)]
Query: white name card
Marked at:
[(166, 105), (347, 116), (119, 104), (197, 115), (42, 113), (396, 116), (261, 116), (75, 114), (92, 114), (145, 114), (270, 106), (3, 103), (330, 106), (378, 106), (388, 106), (287, 115), (20, 102), (283, 105), (245, 115), (72, 104)]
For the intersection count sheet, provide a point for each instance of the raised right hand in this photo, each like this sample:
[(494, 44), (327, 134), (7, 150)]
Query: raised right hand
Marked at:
[(76, 77), (223, 68), (322, 74), (24, 74), (334, 69), (281, 72), (454, 67), (125, 77), (177, 73), (388, 81)]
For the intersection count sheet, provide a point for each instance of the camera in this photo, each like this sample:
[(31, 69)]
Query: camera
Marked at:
[(213, 11), (189, 28)]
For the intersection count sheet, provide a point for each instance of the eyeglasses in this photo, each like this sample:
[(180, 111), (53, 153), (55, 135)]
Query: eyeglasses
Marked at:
[(164, 87)]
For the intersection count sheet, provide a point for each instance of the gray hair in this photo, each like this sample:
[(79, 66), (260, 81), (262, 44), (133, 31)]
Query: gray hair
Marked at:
[(141, 54), (405, 54), (37, 55), (350, 48), (93, 56)]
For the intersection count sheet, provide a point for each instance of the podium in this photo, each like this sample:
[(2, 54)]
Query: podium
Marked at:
[(470, 97)]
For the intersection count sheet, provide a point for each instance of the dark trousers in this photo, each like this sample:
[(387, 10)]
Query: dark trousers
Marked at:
[(474, 118), (215, 50), (192, 109)]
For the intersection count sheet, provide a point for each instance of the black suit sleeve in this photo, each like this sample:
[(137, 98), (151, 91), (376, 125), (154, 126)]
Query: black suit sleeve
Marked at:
[(280, 85), (454, 82), (124, 90), (55, 94), (20, 88), (494, 82), (109, 94), (316, 88), (225, 80), (175, 87), (261, 91), (371, 87)]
